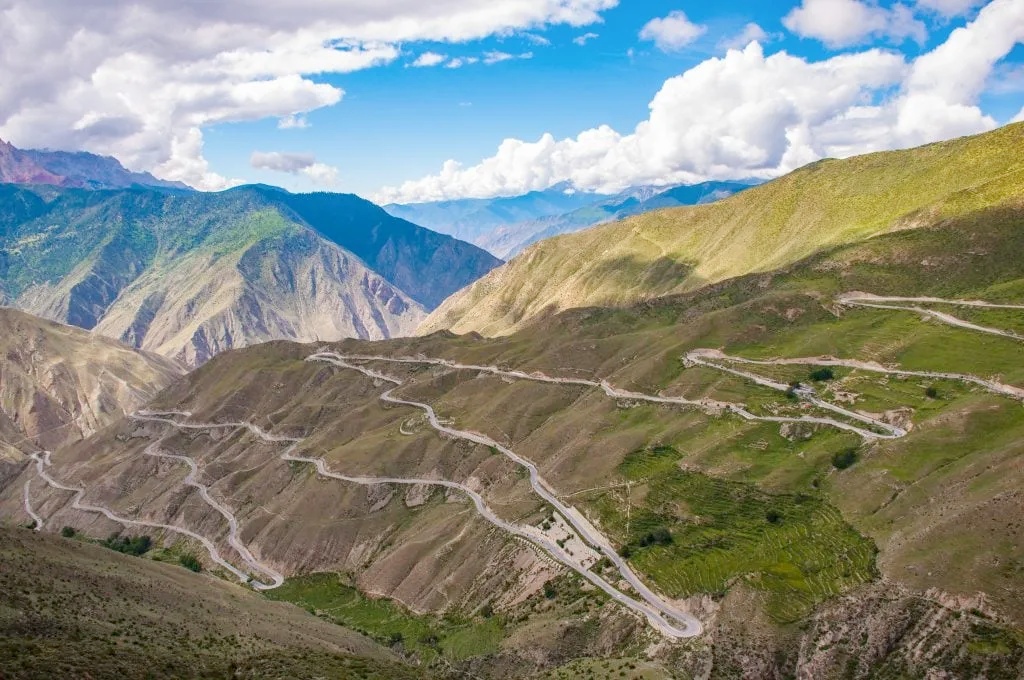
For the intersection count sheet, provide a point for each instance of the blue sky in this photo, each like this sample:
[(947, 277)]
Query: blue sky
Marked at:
[(397, 122), (192, 91)]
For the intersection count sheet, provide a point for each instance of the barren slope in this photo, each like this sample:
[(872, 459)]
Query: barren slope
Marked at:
[(72, 609), (59, 383)]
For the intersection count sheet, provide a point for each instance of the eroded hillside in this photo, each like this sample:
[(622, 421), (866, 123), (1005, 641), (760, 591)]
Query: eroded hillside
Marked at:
[(59, 384), (827, 482)]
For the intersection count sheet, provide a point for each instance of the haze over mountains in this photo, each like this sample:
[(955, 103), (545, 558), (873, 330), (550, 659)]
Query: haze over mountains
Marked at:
[(505, 226)]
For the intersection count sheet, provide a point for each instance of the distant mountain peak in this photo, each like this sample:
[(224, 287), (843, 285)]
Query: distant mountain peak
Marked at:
[(72, 169)]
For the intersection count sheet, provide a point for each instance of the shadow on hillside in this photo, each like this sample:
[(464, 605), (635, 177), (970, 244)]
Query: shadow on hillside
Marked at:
[(631, 277)]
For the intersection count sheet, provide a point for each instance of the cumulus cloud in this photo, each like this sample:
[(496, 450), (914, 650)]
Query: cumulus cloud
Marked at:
[(141, 81), (582, 40), (751, 32), (758, 116), (672, 32), (304, 164), (429, 59), (949, 8), (842, 23)]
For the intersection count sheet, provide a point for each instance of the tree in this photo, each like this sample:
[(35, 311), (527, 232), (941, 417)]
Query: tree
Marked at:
[(844, 459), (190, 562), (773, 516), (67, 532), (823, 374), (549, 591), (932, 392)]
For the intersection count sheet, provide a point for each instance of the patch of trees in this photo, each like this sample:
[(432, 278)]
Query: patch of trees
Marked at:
[(190, 562), (129, 545), (823, 374), (659, 536), (844, 459)]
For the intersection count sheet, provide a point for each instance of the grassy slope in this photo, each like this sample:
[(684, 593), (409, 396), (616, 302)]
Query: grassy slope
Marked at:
[(72, 609), (825, 204), (931, 501)]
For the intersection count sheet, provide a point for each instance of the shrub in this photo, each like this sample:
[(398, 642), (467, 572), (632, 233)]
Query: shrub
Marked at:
[(844, 459), (395, 638), (931, 392), (773, 516), (659, 536), (190, 562), (549, 591), (823, 374), (132, 545), (67, 532)]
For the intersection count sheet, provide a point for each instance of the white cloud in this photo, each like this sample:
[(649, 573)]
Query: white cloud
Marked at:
[(304, 164), (750, 33), (673, 32), (535, 39), (842, 23), (293, 122), (1019, 118), (459, 62), (949, 8), (582, 40), (141, 81), (751, 115), (429, 59), (497, 57)]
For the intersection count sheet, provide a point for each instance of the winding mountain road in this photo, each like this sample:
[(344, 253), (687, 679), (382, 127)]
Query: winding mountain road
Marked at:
[(707, 405), (661, 614), (277, 579), (880, 302), (77, 504), (28, 506), (993, 386)]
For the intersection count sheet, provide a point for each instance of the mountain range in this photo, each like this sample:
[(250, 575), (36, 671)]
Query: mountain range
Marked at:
[(505, 226), (763, 228), (190, 274), (71, 169), (774, 436)]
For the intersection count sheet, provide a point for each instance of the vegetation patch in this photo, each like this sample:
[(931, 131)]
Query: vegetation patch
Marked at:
[(796, 549), (326, 595), (129, 545)]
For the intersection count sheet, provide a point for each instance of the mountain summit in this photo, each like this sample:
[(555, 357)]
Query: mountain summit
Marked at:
[(73, 169)]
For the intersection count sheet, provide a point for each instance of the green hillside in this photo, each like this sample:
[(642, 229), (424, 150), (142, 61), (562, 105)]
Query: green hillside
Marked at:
[(681, 249), (189, 274)]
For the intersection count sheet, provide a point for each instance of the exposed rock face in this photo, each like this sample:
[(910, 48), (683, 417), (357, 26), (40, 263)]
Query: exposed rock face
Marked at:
[(59, 383), (297, 287), (189, 275)]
